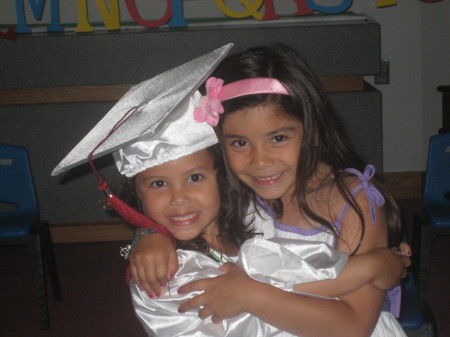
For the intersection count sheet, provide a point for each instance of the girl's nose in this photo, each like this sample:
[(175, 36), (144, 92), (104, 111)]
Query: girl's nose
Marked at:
[(261, 158), (180, 197)]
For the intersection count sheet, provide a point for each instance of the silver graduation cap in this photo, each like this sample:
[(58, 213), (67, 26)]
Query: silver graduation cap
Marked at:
[(154, 100)]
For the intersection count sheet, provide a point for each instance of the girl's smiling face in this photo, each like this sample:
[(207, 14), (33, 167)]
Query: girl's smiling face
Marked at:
[(182, 195), (262, 146)]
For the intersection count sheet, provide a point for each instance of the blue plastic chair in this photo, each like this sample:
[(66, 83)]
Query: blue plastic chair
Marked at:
[(416, 316), (20, 222), (435, 220)]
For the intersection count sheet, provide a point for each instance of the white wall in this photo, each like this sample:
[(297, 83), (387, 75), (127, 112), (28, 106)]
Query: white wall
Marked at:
[(415, 37), (435, 63)]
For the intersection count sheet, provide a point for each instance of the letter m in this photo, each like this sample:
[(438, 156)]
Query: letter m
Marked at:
[(38, 9)]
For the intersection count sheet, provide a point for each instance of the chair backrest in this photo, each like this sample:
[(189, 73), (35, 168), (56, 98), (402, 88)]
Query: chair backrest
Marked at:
[(16, 180), (437, 178)]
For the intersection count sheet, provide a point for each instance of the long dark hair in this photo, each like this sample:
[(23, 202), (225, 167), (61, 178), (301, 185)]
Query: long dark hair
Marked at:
[(232, 231), (323, 138)]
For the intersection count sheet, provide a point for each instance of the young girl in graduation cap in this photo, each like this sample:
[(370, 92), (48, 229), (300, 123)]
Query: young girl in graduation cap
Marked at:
[(176, 175)]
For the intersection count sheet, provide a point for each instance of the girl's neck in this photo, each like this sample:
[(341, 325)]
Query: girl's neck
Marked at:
[(293, 215), (213, 242)]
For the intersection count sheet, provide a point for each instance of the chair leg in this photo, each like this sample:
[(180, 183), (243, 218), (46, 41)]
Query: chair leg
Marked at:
[(428, 234), (39, 280), (425, 248), (49, 254)]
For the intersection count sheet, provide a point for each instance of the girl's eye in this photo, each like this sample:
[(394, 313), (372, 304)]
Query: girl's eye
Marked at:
[(239, 143), (279, 138), (195, 178), (158, 184)]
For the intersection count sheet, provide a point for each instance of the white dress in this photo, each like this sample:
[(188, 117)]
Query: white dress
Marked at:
[(282, 256)]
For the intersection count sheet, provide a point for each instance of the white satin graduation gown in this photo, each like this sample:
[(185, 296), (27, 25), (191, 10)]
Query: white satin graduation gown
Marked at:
[(280, 262)]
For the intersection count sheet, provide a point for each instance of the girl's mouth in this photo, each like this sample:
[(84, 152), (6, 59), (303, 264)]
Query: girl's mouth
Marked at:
[(185, 219), (268, 180)]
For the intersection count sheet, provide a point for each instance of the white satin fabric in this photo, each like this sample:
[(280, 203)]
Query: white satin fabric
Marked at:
[(280, 262), (387, 325), (179, 136), (144, 109), (279, 258)]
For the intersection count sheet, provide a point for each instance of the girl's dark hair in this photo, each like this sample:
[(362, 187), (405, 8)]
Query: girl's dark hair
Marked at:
[(232, 231), (323, 136)]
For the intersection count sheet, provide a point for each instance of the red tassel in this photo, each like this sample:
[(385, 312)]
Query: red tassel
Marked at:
[(133, 217), (129, 214)]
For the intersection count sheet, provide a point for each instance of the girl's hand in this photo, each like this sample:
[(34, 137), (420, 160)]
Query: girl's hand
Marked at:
[(153, 262), (223, 296), (390, 265)]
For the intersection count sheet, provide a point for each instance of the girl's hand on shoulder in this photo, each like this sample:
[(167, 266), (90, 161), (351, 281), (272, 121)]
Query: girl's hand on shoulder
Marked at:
[(153, 262), (223, 296), (389, 266)]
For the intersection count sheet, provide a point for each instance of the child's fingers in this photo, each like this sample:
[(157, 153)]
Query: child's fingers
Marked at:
[(216, 319), (160, 275), (197, 285), (205, 312), (192, 303), (144, 279), (405, 248), (151, 284), (172, 265), (404, 253), (133, 272)]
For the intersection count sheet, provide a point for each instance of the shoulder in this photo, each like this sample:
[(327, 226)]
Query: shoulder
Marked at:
[(364, 224)]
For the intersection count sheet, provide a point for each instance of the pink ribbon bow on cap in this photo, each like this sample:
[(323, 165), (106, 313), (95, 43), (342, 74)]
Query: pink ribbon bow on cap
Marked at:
[(210, 105)]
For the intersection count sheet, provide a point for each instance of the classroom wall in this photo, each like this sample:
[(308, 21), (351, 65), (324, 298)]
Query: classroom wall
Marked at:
[(414, 37), (92, 63)]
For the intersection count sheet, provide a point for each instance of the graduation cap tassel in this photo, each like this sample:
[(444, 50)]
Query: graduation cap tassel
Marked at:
[(136, 218), (129, 214)]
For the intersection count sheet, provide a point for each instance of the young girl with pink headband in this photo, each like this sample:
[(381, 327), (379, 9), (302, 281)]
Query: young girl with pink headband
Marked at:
[(297, 178), (189, 196)]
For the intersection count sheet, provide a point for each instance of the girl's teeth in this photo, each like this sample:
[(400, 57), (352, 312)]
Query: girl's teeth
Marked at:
[(184, 217), (270, 178)]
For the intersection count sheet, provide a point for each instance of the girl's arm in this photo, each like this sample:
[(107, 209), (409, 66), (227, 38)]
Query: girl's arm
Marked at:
[(153, 261), (382, 267), (234, 293), (355, 314)]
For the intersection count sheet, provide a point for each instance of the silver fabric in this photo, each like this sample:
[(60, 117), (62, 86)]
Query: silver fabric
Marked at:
[(280, 262), (180, 136), (155, 100), (387, 325), (285, 262)]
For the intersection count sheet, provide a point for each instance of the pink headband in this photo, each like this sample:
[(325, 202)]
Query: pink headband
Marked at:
[(211, 103)]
